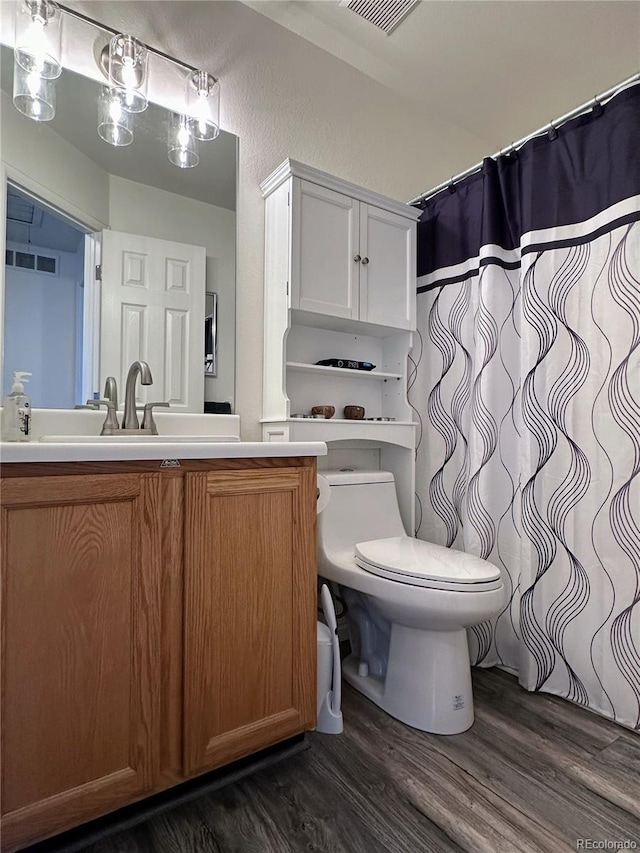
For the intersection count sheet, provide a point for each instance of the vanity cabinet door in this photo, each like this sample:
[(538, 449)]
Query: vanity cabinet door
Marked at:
[(80, 614), (324, 272), (250, 612)]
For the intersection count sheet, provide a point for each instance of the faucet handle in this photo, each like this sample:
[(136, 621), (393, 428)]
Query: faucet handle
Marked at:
[(95, 404), (111, 421), (147, 419)]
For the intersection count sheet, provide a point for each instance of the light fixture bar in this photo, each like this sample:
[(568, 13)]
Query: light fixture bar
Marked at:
[(87, 20)]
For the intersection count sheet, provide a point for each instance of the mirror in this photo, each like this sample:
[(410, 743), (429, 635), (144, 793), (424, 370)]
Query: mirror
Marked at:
[(64, 187)]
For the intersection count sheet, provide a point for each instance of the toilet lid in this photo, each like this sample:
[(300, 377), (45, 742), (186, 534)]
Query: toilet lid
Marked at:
[(415, 561)]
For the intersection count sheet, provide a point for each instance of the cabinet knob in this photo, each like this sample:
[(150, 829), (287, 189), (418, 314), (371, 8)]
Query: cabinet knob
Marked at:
[(365, 261), (357, 258)]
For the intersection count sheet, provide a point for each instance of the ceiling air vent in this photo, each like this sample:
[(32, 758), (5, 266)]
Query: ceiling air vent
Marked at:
[(384, 14)]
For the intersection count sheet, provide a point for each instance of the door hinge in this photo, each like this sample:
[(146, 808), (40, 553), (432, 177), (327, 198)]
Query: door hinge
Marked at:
[(98, 272), (288, 197), (287, 288)]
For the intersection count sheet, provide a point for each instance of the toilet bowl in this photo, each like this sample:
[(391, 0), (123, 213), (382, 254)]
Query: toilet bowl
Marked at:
[(409, 603)]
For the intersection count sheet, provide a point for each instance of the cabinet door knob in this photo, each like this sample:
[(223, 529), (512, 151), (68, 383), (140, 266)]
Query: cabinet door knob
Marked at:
[(365, 261), (357, 258)]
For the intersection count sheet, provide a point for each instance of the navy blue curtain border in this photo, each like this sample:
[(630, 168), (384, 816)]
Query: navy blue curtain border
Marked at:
[(591, 163), (533, 247)]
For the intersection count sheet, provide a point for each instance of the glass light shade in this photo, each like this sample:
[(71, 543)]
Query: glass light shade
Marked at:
[(33, 96), (127, 68), (182, 148), (203, 105), (115, 122), (38, 38)]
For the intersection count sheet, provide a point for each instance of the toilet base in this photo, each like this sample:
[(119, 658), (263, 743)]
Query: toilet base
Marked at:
[(428, 680)]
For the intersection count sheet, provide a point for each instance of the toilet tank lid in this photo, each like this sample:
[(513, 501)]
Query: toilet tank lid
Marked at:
[(355, 476)]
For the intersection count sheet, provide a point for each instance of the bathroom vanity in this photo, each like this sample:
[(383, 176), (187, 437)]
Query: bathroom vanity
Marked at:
[(158, 615)]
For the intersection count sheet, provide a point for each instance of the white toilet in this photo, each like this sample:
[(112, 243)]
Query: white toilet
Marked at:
[(409, 603)]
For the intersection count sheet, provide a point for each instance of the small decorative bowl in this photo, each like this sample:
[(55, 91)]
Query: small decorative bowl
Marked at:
[(325, 411), (354, 413)]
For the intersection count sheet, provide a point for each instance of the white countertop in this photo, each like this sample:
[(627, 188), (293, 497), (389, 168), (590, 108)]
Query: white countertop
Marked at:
[(188, 436), (35, 451)]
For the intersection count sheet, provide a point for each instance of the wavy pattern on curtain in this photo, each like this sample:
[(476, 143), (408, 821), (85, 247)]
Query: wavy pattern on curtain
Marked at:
[(529, 390)]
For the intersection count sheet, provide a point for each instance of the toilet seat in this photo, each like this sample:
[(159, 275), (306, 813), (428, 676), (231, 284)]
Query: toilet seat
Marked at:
[(406, 560)]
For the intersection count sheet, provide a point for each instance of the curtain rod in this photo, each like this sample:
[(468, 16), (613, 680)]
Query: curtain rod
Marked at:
[(551, 126)]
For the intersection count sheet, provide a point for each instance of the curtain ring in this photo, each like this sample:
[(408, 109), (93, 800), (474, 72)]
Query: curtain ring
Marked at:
[(513, 153), (452, 186), (598, 109), (552, 133)]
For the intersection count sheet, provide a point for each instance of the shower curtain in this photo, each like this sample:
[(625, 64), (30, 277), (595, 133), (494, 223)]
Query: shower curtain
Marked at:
[(527, 388)]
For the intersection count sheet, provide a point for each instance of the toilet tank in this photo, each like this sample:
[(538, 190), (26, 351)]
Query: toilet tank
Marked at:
[(363, 505)]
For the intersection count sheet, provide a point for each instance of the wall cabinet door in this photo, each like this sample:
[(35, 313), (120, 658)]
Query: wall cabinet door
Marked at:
[(80, 613), (249, 641), (324, 274), (387, 268), (350, 259)]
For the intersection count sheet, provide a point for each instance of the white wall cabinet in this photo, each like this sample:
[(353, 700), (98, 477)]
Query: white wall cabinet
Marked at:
[(350, 259), (339, 283)]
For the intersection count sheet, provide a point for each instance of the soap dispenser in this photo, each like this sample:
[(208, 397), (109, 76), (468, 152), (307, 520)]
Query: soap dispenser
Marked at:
[(16, 410)]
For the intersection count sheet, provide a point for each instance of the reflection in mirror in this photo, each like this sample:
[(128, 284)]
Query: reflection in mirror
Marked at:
[(211, 334), (43, 301), (163, 236)]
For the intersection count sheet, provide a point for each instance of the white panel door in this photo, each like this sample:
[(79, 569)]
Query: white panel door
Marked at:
[(152, 308), (324, 271), (387, 269)]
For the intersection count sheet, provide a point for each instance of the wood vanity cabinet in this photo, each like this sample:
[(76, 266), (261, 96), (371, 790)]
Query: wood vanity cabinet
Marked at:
[(156, 625)]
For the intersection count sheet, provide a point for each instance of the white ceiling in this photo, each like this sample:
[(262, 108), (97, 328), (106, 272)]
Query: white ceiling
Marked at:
[(497, 68)]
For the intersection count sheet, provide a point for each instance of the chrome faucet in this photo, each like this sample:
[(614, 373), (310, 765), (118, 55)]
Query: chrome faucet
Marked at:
[(138, 368)]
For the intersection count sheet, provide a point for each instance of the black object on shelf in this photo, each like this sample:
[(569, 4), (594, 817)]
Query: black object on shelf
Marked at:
[(211, 408), (346, 362)]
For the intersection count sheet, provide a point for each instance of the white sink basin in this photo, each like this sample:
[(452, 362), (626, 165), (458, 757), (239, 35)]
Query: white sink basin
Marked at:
[(136, 439)]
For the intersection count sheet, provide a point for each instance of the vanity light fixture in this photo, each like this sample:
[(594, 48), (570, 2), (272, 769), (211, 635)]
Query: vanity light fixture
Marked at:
[(125, 62), (115, 122), (182, 148), (38, 38), (203, 105), (33, 96), (36, 58)]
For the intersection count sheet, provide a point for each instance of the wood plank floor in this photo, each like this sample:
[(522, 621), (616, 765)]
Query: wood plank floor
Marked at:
[(534, 773)]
